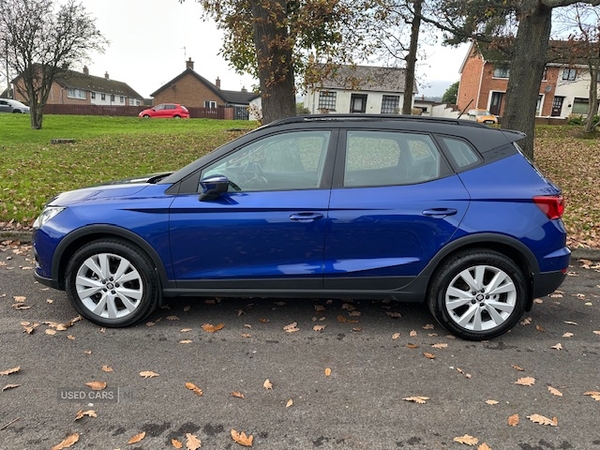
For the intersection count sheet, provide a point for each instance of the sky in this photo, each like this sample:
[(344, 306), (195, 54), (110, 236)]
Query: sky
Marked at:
[(150, 40)]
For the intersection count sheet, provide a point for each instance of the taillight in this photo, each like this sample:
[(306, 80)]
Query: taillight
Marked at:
[(551, 205)]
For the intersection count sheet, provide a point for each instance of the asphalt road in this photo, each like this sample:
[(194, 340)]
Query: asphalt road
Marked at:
[(376, 361)]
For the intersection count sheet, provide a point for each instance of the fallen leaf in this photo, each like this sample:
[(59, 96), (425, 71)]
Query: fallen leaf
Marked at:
[(71, 337), (87, 352), (492, 402), (567, 335), (416, 399), (89, 413), (357, 329), (513, 420), (172, 318), (267, 384), (466, 439), (557, 346), (538, 301), (428, 326), (393, 314), (348, 306), (555, 391), (570, 322), (514, 366), (291, 328), (50, 332), (241, 438), (319, 308), (459, 370), (237, 395), (542, 420), (525, 381), (10, 386), (186, 341), (246, 335), (597, 332), (137, 438), (107, 369), (96, 385), (186, 308), (413, 333), (410, 345), (526, 321), (209, 328), (354, 313), (343, 319), (594, 394), (429, 355), (192, 442), (19, 298), (289, 403), (176, 444), (263, 320), (194, 388), (185, 330), (440, 345), (484, 446), (540, 328), (67, 442), (395, 336), (148, 374), (327, 372), (319, 327), (9, 371)]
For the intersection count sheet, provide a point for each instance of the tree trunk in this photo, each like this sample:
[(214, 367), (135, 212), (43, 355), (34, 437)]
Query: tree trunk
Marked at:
[(274, 56), (526, 71), (590, 124), (411, 58)]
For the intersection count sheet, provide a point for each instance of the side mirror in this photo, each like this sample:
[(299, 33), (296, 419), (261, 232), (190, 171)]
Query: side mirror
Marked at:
[(213, 186)]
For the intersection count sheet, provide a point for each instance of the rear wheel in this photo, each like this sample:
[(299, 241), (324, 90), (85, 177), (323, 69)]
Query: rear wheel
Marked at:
[(479, 294), (112, 283), (146, 116)]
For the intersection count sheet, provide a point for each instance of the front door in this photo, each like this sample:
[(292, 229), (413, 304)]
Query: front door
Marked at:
[(358, 103), (496, 103), (557, 105)]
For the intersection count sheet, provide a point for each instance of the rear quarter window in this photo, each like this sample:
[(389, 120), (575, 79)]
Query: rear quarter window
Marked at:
[(461, 153)]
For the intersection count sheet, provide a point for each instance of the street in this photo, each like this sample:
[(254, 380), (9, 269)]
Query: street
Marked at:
[(347, 375)]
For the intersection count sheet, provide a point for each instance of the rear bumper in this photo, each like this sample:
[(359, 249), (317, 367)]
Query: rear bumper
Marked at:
[(54, 284), (546, 283)]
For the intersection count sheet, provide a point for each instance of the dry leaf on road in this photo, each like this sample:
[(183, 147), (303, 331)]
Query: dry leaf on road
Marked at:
[(525, 381), (176, 444), (210, 328), (289, 403), (557, 346), (484, 446), (267, 384), (291, 328), (492, 402), (148, 374), (594, 394), (106, 369), (136, 438), (67, 442), (542, 420), (89, 413), (513, 420), (466, 439), (237, 394), (96, 385), (555, 391), (416, 399), (327, 372), (429, 355), (241, 438), (440, 345), (514, 366), (319, 327), (9, 371), (194, 388), (192, 442)]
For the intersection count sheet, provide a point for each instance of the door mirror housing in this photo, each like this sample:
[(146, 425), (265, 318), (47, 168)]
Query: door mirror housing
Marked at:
[(213, 186)]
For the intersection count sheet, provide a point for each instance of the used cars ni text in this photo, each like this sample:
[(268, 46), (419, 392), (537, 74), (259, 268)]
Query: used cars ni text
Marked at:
[(441, 211)]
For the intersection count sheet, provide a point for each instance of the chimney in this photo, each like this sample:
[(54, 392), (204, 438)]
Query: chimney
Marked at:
[(218, 83), (86, 71), (189, 64), (244, 89), (106, 76)]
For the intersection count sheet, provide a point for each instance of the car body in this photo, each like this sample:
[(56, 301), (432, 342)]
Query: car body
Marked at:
[(166, 111), (13, 106), (482, 116), (442, 211)]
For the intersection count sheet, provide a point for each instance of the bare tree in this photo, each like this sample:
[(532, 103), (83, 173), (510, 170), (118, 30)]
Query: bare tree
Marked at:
[(41, 43)]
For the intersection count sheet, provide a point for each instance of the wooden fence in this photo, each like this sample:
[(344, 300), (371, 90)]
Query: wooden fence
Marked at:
[(227, 113)]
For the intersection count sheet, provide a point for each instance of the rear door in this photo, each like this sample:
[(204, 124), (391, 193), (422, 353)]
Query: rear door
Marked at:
[(394, 204)]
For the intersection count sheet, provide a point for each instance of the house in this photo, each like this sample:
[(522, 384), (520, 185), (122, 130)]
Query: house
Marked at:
[(358, 89), (192, 90), (81, 88), (564, 89)]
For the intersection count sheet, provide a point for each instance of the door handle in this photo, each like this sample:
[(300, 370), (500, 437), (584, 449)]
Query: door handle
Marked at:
[(306, 217), (439, 212)]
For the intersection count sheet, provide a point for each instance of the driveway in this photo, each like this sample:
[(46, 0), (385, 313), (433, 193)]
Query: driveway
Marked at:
[(337, 379)]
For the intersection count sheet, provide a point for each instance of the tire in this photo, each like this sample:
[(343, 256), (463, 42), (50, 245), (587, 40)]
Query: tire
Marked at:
[(176, 116), (146, 116), (478, 294), (112, 283)]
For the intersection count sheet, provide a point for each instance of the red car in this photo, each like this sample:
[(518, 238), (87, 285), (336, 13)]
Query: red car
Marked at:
[(167, 110)]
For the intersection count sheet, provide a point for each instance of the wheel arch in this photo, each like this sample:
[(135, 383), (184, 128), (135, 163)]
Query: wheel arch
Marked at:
[(506, 245), (69, 245)]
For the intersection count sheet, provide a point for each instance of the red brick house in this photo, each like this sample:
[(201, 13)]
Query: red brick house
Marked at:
[(192, 90)]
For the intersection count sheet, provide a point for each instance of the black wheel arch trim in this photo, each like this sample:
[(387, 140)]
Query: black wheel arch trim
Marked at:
[(94, 232)]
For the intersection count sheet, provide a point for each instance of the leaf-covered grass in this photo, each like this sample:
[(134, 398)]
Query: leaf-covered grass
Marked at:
[(106, 148)]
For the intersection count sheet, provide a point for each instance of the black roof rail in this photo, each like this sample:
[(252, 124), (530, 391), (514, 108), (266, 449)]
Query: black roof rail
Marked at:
[(377, 117)]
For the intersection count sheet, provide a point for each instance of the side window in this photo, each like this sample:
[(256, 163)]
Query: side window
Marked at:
[(462, 154), (390, 158), (293, 160)]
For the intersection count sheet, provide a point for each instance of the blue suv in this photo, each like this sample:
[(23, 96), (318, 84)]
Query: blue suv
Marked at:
[(415, 209)]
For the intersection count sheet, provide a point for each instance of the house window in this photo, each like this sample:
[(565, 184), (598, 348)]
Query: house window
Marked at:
[(327, 100), (112, 97), (210, 104), (580, 106), (122, 99), (502, 71), (569, 74), (538, 106), (93, 94), (102, 96), (76, 93), (390, 104)]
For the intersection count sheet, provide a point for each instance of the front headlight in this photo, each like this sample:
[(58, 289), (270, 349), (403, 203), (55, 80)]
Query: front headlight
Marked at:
[(48, 213)]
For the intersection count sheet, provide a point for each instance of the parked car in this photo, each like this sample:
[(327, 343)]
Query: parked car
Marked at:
[(417, 209), (13, 106), (166, 110), (482, 116)]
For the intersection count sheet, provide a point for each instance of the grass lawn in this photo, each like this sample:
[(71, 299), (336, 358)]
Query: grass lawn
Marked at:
[(32, 170)]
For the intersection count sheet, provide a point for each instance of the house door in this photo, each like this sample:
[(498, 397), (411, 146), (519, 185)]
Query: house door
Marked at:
[(557, 105), (496, 103), (358, 103)]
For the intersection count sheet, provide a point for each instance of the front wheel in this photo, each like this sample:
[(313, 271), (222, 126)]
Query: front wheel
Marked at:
[(478, 294), (112, 283)]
